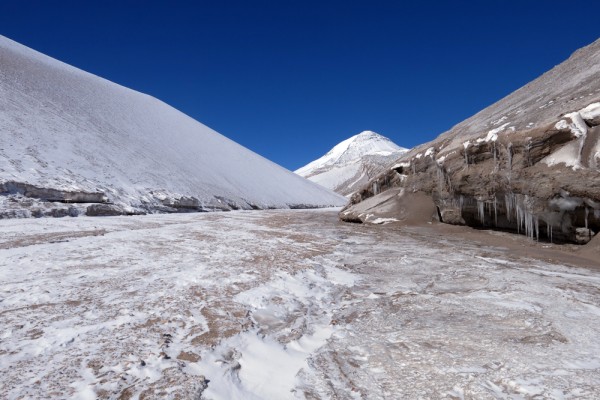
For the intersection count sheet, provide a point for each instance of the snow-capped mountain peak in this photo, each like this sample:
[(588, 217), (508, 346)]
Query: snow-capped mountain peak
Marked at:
[(352, 162)]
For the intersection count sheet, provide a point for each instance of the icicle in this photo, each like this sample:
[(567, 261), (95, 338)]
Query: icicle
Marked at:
[(375, 188), (527, 150), (481, 211), (495, 211), (510, 157), (494, 151), (507, 205), (587, 213), (519, 217), (441, 178), (449, 183)]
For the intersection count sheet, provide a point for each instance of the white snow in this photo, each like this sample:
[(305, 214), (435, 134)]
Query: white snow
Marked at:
[(382, 221), (337, 175), (499, 121), (284, 304), (591, 112), (67, 129), (493, 134), (577, 125), (562, 124), (570, 154), (353, 149), (351, 163), (404, 164)]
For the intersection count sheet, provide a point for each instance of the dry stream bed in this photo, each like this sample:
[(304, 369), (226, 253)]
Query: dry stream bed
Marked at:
[(288, 304)]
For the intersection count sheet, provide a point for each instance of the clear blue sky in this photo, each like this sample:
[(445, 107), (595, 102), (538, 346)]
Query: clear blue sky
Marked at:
[(290, 79)]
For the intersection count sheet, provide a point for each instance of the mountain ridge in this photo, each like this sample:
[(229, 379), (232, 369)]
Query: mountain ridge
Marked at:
[(352, 162)]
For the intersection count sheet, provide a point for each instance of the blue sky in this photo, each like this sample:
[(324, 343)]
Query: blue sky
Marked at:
[(290, 79)]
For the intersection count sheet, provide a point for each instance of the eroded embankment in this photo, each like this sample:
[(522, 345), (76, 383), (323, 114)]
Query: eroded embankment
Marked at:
[(543, 182)]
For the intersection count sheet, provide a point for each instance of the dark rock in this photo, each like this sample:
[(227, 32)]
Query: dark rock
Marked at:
[(452, 216), (57, 212), (103, 210), (19, 213), (183, 202), (51, 194)]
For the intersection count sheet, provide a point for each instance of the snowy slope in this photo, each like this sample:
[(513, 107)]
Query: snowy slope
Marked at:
[(353, 162), (65, 129)]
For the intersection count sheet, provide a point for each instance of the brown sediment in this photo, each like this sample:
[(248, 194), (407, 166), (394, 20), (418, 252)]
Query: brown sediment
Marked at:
[(42, 238), (513, 246)]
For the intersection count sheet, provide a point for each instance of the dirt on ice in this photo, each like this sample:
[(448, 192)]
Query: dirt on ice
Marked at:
[(291, 304)]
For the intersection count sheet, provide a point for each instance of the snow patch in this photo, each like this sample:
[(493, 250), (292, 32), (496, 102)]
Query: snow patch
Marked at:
[(383, 221), (591, 112), (493, 134), (577, 125), (569, 155)]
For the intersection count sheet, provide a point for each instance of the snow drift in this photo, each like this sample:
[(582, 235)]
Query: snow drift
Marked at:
[(67, 136)]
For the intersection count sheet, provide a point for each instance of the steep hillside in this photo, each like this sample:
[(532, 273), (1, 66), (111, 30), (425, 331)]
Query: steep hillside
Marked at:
[(528, 163), (352, 163), (67, 136)]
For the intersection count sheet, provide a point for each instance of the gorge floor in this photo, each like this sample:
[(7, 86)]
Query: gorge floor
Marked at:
[(287, 304)]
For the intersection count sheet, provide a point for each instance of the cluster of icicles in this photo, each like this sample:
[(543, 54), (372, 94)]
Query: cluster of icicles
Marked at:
[(519, 210)]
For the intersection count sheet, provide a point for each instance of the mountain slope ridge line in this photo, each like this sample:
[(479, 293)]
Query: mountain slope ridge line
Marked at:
[(70, 131)]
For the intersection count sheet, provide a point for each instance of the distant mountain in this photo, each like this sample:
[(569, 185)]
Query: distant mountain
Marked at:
[(529, 163), (67, 136), (352, 163)]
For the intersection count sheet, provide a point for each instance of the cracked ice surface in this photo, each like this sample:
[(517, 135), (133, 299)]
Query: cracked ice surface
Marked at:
[(285, 304)]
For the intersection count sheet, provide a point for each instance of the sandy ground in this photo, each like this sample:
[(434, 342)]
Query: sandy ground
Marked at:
[(291, 304)]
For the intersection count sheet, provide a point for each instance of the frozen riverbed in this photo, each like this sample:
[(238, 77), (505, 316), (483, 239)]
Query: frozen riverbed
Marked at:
[(285, 304)]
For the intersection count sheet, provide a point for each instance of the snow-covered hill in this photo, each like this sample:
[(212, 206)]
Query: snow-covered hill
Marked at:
[(70, 136), (353, 162)]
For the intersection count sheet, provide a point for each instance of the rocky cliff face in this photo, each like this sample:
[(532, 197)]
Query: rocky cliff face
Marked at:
[(529, 163)]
